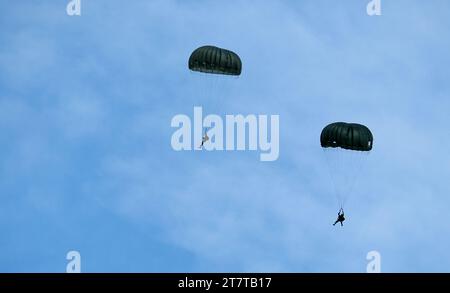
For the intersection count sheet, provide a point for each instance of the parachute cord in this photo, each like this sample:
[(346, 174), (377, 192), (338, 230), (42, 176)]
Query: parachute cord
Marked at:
[(330, 168)]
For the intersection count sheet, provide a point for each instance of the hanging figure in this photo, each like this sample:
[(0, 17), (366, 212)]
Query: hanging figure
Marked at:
[(205, 138), (340, 218)]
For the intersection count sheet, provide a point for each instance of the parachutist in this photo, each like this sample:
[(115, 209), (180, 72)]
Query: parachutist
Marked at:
[(204, 139), (340, 218)]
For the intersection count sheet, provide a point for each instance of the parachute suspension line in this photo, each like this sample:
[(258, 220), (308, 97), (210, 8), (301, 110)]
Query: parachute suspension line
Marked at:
[(333, 163), (215, 94), (345, 146), (344, 167), (356, 164), (348, 161), (212, 92)]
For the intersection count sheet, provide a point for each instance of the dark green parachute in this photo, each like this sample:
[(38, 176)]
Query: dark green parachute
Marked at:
[(350, 136), (210, 59)]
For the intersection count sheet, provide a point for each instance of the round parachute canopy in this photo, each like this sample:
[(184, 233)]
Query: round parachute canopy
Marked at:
[(210, 59), (350, 136)]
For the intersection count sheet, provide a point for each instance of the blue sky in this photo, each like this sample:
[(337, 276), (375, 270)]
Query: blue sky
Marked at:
[(86, 162)]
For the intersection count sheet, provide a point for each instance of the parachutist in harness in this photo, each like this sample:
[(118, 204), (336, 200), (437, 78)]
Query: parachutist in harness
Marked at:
[(204, 139), (340, 218)]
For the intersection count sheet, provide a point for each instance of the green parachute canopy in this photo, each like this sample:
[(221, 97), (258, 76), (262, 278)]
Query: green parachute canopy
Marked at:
[(350, 136), (210, 59)]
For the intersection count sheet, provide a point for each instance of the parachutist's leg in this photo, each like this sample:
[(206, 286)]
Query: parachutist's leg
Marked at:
[(342, 224)]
